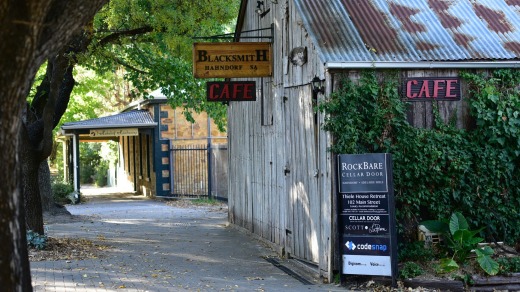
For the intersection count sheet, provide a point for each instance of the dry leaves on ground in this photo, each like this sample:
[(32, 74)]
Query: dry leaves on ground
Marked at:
[(191, 203), (67, 249)]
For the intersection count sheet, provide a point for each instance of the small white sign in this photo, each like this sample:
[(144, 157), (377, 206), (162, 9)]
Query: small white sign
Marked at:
[(367, 265), (114, 132)]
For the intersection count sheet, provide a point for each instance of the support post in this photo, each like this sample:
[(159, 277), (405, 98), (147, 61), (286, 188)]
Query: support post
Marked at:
[(209, 159), (75, 157)]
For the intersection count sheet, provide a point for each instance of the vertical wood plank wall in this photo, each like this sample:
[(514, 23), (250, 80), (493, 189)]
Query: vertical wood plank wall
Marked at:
[(278, 165)]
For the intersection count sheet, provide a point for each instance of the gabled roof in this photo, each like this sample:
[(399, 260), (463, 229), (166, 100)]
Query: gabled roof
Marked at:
[(130, 119), (403, 33), (411, 33)]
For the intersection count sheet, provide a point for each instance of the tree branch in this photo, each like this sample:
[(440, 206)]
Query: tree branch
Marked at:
[(121, 62), (113, 37), (66, 17)]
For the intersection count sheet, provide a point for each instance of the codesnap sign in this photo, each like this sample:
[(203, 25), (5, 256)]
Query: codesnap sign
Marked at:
[(367, 214), (367, 255)]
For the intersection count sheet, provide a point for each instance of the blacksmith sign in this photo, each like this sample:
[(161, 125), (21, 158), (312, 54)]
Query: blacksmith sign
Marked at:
[(367, 214), (231, 91), (432, 88), (232, 60)]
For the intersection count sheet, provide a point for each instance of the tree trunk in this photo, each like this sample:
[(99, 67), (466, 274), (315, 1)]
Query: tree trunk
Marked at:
[(39, 120), (44, 179), (49, 206), (14, 263), (31, 187), (36, 135), (30, 31)]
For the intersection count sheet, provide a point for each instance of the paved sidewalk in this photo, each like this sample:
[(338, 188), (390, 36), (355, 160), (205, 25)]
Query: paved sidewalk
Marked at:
[(156, 247)]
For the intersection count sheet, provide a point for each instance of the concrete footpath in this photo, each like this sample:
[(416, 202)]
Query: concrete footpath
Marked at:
[(156, 247)]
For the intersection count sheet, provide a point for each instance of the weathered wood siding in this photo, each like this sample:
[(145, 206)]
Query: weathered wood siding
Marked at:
[(279, 187)]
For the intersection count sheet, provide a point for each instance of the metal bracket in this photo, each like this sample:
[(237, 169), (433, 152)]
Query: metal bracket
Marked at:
[(236, 36)]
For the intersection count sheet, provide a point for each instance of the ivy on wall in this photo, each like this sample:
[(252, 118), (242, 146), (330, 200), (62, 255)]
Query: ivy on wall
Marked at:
[(444, 169)]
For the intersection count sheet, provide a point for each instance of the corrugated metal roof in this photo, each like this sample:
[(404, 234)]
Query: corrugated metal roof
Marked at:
[(130, 119), (413, 30)]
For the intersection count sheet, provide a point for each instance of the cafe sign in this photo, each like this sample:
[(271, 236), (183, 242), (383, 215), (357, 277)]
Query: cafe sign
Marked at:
[(232, 60), (231, 91), (432, 88)]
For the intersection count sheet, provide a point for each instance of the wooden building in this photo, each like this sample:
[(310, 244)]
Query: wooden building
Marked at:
[(281, 176), (150, 134)]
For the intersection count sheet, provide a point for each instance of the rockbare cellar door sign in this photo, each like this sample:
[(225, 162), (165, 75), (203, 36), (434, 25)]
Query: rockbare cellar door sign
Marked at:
[(367, 215)]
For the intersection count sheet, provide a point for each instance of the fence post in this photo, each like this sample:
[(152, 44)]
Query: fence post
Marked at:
[(209, 158)]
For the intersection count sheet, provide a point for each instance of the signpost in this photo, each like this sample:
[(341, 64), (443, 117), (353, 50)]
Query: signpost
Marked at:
[(367, 215), (232, 60)]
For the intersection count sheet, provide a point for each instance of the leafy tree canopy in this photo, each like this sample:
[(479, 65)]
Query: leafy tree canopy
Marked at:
[(152, 41)]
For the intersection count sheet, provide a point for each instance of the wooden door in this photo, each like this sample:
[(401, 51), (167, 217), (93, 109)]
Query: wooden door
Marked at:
[(301, 175)]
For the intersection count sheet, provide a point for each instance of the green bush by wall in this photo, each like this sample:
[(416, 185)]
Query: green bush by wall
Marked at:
[(444, 169)]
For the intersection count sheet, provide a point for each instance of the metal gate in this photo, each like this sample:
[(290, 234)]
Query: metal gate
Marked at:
[(199, 171)]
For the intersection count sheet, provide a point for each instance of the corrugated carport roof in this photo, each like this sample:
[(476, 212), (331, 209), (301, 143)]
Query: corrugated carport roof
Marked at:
[(130, 119), (402, 33)]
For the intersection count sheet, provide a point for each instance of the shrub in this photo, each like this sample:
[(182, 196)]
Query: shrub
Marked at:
[(205, 201), (36, 240), (415, 251), (89, 162), (509, 265), (61, 191), (410, 270), (461, 241), (101, 174)]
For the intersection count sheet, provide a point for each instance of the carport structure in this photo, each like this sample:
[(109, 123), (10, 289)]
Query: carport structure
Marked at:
[(134, 130)]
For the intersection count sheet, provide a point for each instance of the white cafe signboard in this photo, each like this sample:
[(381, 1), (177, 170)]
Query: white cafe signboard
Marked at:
[(114, 132)]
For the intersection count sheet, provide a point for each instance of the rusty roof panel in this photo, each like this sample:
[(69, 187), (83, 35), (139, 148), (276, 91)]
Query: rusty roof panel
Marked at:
[(413, 30)]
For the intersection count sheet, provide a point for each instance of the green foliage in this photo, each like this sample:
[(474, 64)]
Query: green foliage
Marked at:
[(152, 41), (101, 179), (410, 270), (337, 278), (461, 242), (89, 162), (91, 96), (36, 240), (485, 261), (497, 108), (61, 191), (447, 265), (205, 201), (444, 169), (95, 160), (415, 251), (509, 265)]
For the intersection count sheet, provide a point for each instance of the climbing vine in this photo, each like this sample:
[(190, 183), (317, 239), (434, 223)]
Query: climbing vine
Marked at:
[(444, 169)]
